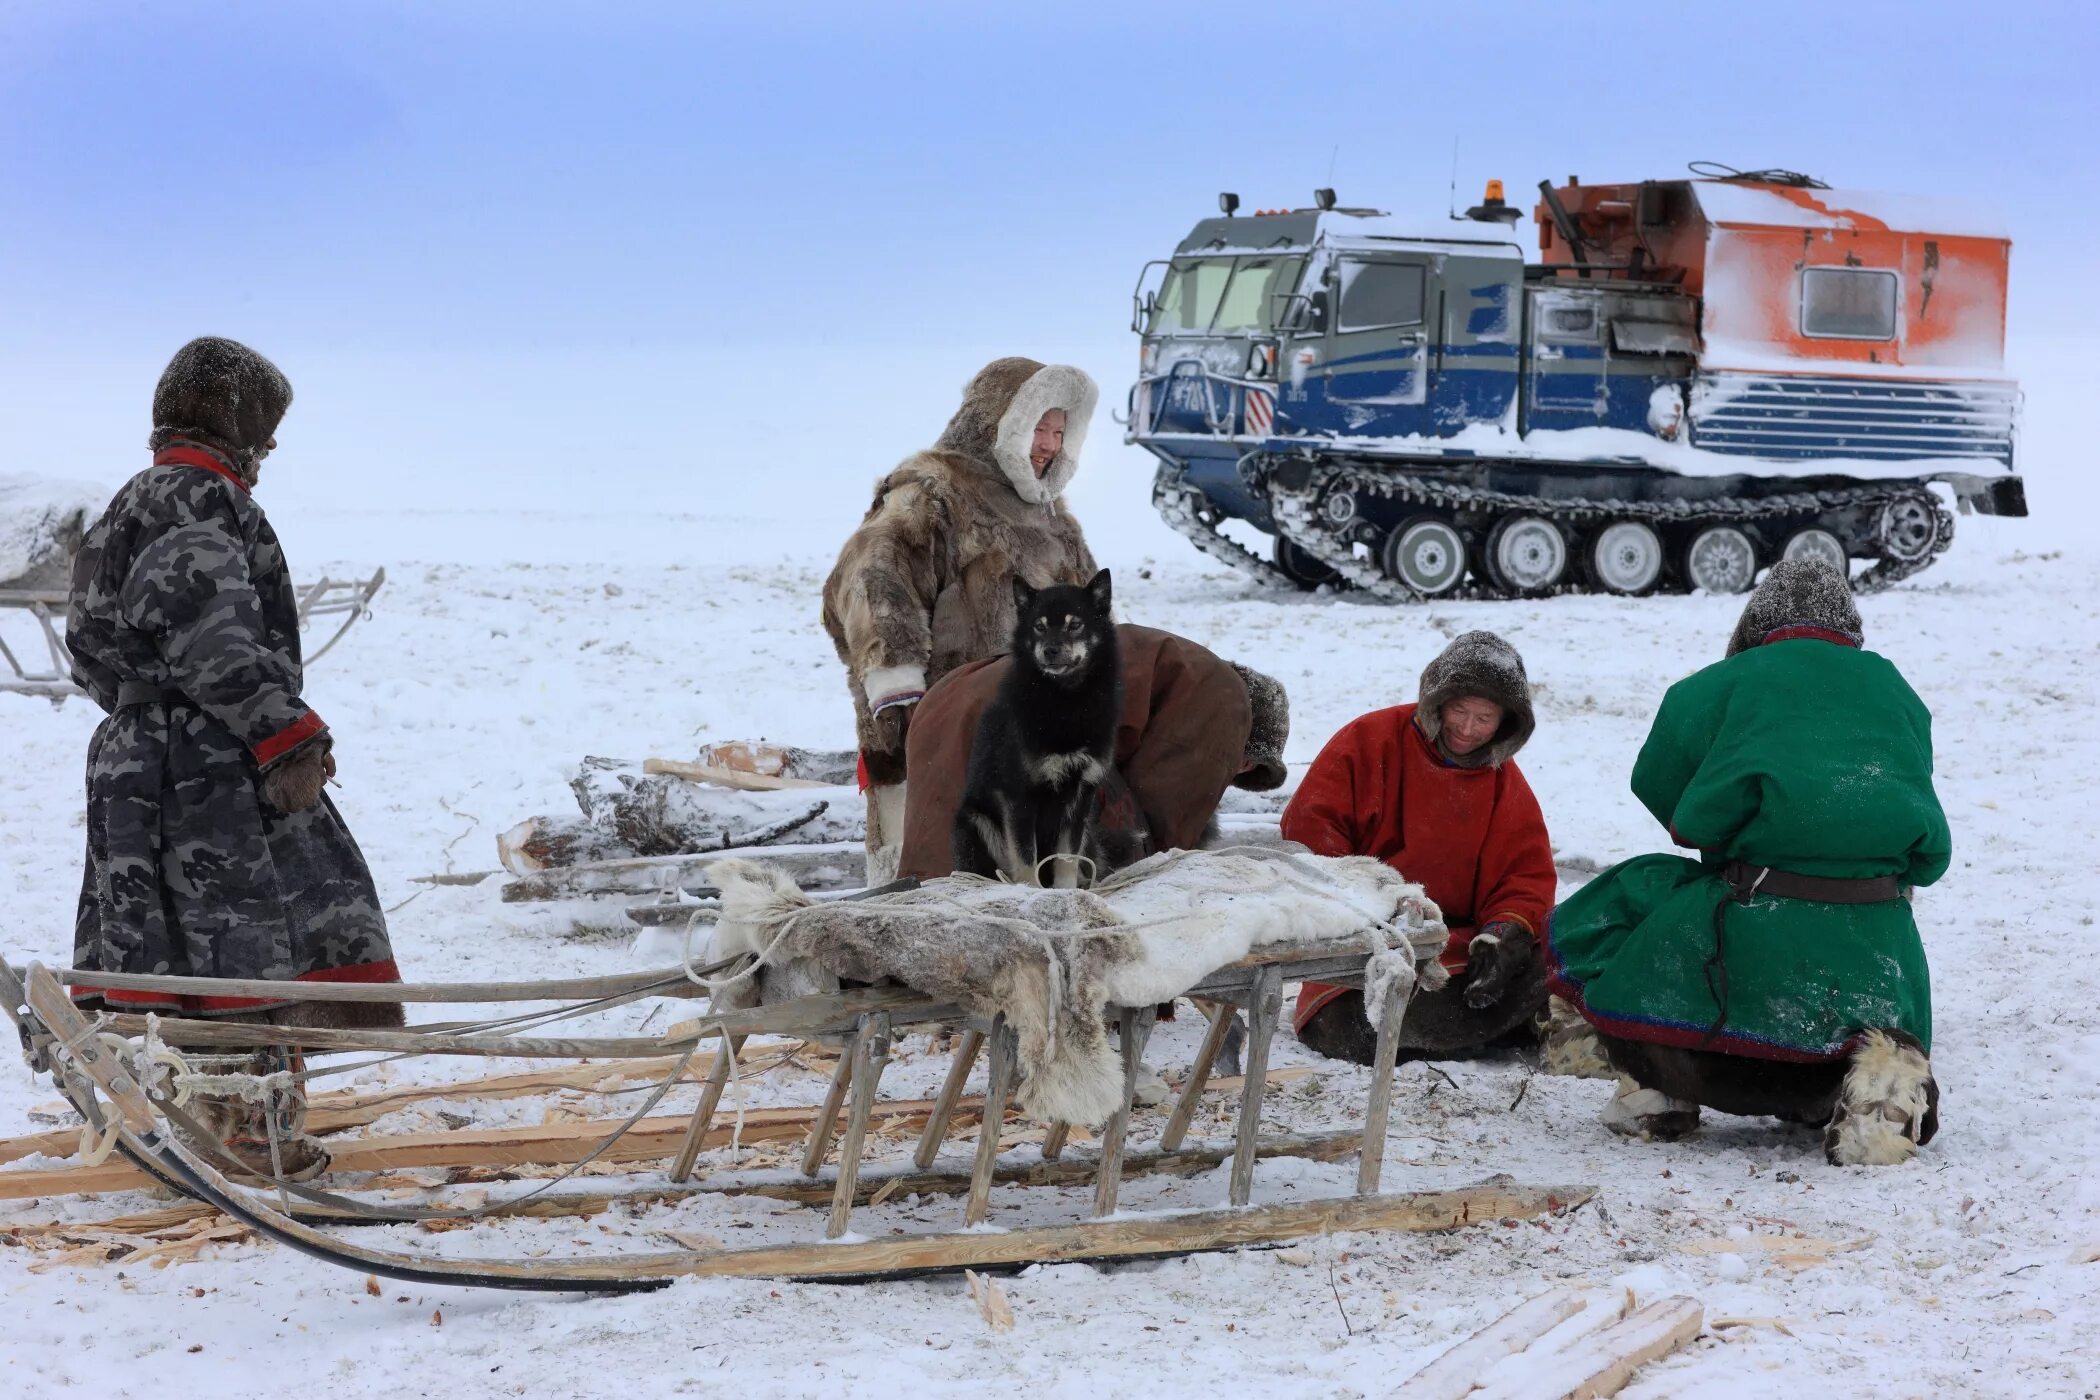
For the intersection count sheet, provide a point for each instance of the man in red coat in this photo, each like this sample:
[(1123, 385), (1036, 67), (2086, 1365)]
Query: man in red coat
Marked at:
[(1431, 790)]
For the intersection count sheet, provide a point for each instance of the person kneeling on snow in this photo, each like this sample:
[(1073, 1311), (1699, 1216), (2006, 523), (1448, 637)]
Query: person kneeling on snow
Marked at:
[(925, 583), (1192, 725), (212, 850), (1780, 972), (1432, 789)]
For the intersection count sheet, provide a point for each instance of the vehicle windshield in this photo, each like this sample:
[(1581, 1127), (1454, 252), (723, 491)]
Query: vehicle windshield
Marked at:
[(1222, 296)]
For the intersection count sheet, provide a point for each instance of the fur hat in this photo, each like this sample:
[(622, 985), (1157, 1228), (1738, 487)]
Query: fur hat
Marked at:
[(1482, 664), (222, 394), (1798, 593), (996, 424), (1271, 727)]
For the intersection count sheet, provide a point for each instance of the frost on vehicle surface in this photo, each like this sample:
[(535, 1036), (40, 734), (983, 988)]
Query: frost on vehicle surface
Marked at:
[(1694, 379)]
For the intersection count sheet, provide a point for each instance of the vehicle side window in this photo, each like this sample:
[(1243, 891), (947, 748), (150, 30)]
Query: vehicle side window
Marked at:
[(1848, 303), (1379, 294)]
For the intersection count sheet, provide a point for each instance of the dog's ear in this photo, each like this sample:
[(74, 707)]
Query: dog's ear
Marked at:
[(1024, 596), (1097, 589)]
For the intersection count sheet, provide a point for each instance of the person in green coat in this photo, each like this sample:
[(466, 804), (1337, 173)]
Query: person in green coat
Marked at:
[(1781, 971)]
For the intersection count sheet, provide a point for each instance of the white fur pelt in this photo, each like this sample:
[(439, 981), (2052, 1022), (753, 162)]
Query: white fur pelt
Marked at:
[(1052, 961)]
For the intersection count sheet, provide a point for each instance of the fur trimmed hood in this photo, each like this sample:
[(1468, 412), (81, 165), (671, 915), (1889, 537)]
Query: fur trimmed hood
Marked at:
[(220, 393), (1268, 733), (1482, 664), (995, 426), (1803, 593)]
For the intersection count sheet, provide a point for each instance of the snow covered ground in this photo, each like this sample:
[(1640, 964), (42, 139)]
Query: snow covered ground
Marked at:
[(506, 645)]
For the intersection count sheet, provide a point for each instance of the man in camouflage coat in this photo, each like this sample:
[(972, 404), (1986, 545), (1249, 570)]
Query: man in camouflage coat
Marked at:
[(212, 850)]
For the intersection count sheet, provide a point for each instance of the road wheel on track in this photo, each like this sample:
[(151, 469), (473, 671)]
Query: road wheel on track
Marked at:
[(1301, 568), (1720, 559), (1527, 554), (1626, 557), (1908, 529), (1819, 545), (1426, 554)]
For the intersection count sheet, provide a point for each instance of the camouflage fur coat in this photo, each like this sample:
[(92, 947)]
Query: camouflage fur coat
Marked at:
[(184, 628), (924, 585)]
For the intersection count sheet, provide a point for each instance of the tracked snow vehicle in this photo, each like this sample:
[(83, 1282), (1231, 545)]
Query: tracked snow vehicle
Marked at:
[(1694, 379)]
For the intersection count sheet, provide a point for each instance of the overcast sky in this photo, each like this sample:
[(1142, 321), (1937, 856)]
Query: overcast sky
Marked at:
[(680, 254)]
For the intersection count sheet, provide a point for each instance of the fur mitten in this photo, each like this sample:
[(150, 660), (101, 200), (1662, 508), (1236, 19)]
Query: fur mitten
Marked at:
[(295, 784), (1497, 957)]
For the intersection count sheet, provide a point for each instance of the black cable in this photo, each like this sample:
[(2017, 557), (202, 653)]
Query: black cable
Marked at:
[(1775, 175)]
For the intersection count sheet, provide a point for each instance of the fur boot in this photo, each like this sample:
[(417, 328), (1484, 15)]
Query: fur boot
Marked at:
[(242, 1127), (1568, 1045), (1649, 1113), (1889, 1104)]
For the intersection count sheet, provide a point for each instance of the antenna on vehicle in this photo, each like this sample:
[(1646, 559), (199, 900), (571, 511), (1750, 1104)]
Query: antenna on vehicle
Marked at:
[(1452, 207)]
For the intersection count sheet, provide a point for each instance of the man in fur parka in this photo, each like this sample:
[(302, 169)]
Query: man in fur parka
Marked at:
[(925, 583), (1779, 970), (212, 850)]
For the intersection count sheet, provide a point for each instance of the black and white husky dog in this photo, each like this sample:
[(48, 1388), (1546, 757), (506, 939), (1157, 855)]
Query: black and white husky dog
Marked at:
[(1045, 742)]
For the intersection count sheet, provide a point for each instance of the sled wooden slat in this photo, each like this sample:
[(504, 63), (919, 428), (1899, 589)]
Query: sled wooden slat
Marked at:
[(870, 1051), (1054, 1139), (820, 1127), (704, 1111), (672, 979), (1370, 1163), (999, 1086), (1135, 1027), (944, 1105), (1267, 1002), (1199, 1075)]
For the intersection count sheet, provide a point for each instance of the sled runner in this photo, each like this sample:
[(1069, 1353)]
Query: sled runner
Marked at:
[(320, 604), (105, 1077)]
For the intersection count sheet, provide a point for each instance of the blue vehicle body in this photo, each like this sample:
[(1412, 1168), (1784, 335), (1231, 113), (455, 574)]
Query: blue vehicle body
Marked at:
[(1434, 373)]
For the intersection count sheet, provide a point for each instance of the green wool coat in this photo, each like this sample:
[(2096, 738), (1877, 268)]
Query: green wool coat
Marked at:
[(1805, 755)]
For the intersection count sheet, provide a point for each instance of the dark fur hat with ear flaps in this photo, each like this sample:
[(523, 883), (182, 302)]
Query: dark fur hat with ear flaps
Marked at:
[(1798, 593), (1477, 664), (220, 393), (1270, 730)]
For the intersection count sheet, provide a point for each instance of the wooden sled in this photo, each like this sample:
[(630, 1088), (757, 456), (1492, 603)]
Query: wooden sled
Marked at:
[(319, 603), (58, 1037)]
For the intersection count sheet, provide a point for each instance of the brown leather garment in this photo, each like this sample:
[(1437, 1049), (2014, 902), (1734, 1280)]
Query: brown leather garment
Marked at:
[(1182, 740)]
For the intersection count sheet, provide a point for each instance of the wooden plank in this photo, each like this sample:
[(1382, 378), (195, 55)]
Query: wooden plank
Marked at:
[(870, 1051), (552, 1143), (1454, 1375), (1199, 1074), (827, 1114), (332, 1112), (704, 1110), (652, 1139), (725, 777), (1370, 1163), (1135, 1027), (959, 1068), (1266, 1004), (557, 989), (1602, 1363), (997, 1087)]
